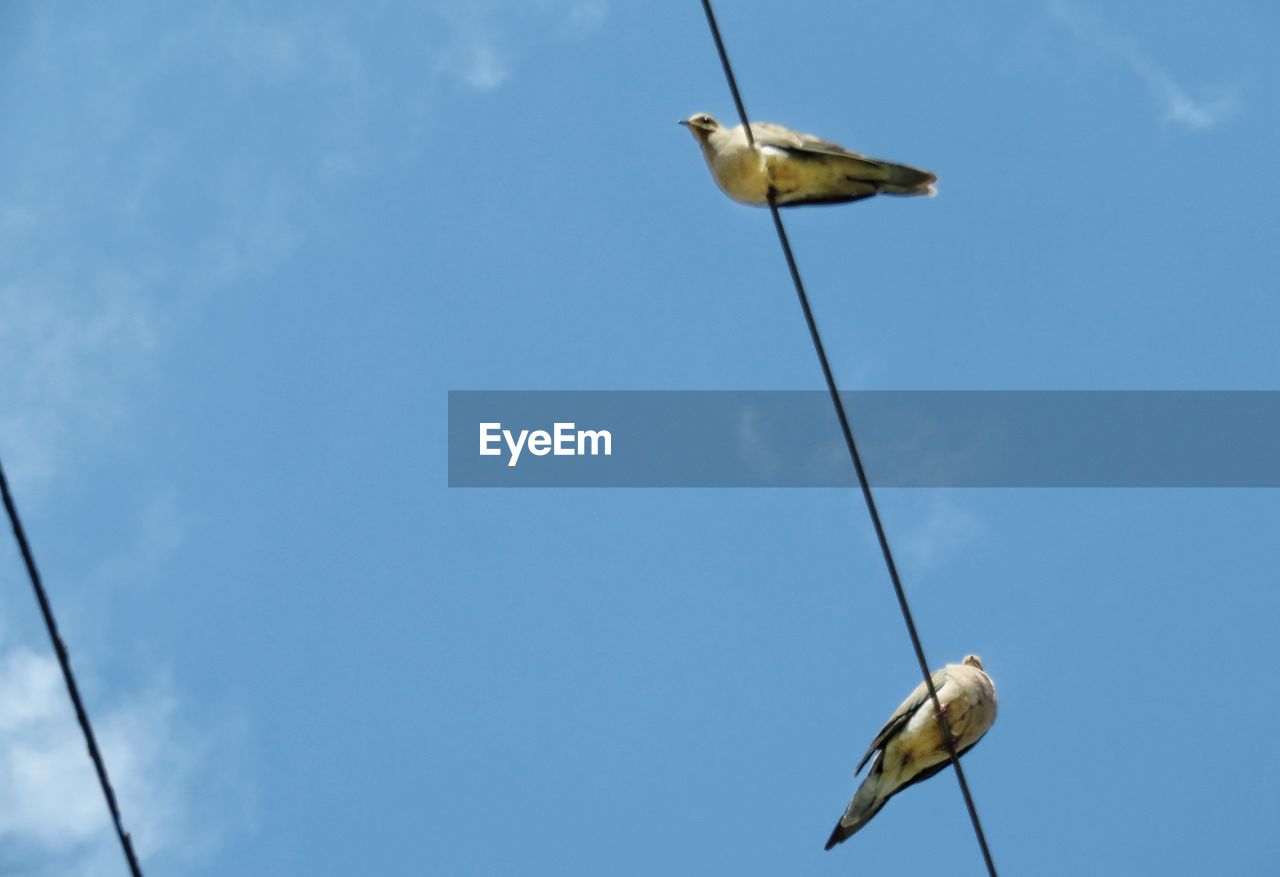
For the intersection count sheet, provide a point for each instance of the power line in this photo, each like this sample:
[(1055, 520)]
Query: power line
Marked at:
[(854, 455), (65, 661), (856, 458), (728, 71)]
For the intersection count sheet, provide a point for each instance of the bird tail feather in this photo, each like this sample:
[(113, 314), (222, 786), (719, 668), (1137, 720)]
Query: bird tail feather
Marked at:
[(866, 803), (903, 180), (887, 177)]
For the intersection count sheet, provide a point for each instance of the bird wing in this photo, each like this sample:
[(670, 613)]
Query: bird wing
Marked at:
[(902, 715), (799, 144), (930, 771)]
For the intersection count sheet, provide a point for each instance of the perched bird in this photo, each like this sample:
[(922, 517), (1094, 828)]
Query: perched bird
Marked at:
[(910, 748), (798, 168)]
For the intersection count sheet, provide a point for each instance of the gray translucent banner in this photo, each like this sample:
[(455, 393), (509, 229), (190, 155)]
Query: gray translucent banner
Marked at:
[(907, 438)]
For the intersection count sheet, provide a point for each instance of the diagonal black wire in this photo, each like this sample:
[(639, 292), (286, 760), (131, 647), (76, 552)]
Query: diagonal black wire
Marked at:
[(728, 71), (854, 455), (856, 458), (65, 661)]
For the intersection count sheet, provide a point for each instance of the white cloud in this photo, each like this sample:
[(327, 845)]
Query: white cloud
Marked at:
[(753, 447), (930, 529), (469, 53), (481, 67), (117, 223), (475, 51), (1195, 112), (166, 772), (584, 17), (71, 352)]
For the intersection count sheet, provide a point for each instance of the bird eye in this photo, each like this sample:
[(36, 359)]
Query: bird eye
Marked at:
[(704, 120)]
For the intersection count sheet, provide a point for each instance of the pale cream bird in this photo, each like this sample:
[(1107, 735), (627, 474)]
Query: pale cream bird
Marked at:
[(909, 748), (797, 168)]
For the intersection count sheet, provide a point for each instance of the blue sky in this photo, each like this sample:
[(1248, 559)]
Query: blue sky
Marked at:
[(245, 255)]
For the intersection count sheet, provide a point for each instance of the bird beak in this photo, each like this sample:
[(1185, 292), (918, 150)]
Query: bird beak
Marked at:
[(684, 122)]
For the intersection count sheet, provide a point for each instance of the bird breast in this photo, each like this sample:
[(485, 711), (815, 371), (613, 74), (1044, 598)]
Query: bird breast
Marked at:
[(740, 174)]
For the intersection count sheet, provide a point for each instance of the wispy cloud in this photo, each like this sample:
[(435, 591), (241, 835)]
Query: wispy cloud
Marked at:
[(931, 528), (118, 222), (1198, 111), (71, 353), (474, 59), (584, 16), (167, 772), (150, 165), (476, 50)]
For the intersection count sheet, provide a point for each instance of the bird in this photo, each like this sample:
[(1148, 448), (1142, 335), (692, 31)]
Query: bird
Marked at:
[(910, 748), (795, 168)]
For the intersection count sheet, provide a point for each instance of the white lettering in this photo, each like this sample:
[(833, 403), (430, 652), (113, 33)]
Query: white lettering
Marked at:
[(488, 438), (564, 440), (515, 446), (539, 442), (595, 437)]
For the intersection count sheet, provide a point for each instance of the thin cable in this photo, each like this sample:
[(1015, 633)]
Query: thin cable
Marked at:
[(856, 458), (728, 71), (65, 661), (867, 495)]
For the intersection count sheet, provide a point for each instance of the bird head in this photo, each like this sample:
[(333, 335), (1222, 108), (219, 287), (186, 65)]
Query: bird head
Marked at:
[(701, 125), (973, 661)]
